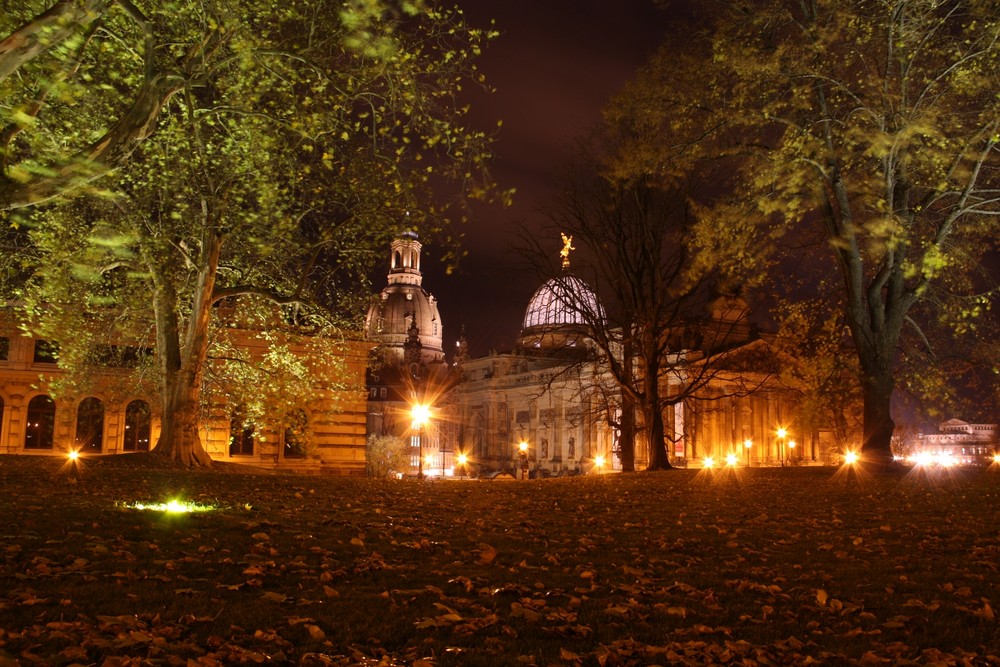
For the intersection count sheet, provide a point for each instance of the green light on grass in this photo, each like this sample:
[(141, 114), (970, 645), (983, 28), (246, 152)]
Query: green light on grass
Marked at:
[(172, 507)]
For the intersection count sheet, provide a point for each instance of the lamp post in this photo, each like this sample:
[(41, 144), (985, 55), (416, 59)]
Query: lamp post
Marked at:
[(522, 448), (462, 460), (781, 445), (791, 452), (420, 414), (747, 444)]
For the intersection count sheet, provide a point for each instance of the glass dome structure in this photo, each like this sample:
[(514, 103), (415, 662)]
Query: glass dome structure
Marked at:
[(565, 300)]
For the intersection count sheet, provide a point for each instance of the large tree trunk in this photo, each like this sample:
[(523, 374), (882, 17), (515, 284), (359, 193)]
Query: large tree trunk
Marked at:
[(183, 366), (658, 457), (878, 423), (626, 436)]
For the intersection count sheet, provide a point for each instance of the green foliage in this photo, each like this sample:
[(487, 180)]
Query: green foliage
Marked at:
[(867, 128), (297, 139), (386, 455)]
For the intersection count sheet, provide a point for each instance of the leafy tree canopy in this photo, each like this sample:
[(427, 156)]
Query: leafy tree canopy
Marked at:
[(869, 130)]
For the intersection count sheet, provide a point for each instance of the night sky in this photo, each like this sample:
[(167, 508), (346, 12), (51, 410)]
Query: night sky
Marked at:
[(554, 67)]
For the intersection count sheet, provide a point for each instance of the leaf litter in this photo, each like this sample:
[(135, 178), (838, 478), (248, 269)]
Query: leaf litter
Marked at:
[(782, 567)]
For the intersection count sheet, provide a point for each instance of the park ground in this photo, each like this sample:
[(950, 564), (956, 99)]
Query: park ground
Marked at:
[(757, 567)]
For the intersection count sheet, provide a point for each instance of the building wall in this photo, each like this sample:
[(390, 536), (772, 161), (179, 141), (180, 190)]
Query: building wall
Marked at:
[(551, 405), (959, 441), (336, 414)]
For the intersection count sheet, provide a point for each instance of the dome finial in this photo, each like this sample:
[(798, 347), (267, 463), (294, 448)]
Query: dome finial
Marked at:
[(567, 246)]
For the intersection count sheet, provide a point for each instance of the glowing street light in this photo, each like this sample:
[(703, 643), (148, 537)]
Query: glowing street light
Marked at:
[(850, 457), (599, 462), (420, 413), (462, 460), (732, 459), (781, 433), (996, 458), (747, 444), (791, 451), (707, 462)]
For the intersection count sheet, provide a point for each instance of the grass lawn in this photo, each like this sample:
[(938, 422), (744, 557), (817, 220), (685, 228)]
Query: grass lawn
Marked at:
[(768, 566)]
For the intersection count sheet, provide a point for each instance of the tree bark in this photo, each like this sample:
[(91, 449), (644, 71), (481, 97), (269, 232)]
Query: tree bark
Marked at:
[(878, 423), (626, 438), (48, 29), (183, 366), (658, 457)]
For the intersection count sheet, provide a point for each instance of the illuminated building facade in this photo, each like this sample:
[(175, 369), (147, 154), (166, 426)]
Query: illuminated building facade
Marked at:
[(118, 411), (957, 442), (408, 368), (553, 392)]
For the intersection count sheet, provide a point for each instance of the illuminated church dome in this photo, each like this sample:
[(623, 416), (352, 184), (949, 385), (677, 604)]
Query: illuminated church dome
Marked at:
[(404, 320), (562, 301), (560, 311)]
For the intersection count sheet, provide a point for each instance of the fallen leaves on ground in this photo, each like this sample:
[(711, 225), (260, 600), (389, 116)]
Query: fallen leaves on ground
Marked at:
[(776, 567)]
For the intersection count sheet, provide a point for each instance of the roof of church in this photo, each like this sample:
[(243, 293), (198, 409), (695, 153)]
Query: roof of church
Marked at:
[(561, 301), (404, 303)]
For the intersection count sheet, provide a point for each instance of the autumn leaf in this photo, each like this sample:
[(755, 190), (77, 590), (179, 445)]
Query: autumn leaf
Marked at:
[(487, 554)]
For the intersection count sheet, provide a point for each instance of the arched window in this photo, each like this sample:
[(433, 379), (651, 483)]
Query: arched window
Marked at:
[(90, 425), (136, 427), (240, 435), (41, 423), (296, 435)]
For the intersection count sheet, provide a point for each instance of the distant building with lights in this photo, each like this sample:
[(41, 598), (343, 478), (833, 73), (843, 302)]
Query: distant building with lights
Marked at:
[(553, 392), (408, 367), (957, 442)]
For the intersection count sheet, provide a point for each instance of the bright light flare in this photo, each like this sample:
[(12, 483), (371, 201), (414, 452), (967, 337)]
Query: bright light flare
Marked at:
[(850, 458), (707, 462), (462, 459), (172, 506), (421, 414), (923, 459), (732, 460), (73, 455), (782, 433), (599, 461), (996, 459), (523, 446)]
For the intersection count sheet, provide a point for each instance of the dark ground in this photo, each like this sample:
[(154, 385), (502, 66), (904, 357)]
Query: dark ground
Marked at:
[(770, 566)]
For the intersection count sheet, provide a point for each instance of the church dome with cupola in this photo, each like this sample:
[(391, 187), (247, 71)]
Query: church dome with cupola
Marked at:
[(404, 319), (561, 311)]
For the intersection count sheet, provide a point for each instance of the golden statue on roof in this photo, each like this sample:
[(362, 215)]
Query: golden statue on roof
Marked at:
[(567, 246)]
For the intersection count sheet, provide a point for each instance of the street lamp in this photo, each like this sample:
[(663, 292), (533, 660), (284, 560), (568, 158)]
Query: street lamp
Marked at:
[(420, 414), (462, 460), (599, 462), (747, 444), (522, 448), (781, 433), (791, 451)]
